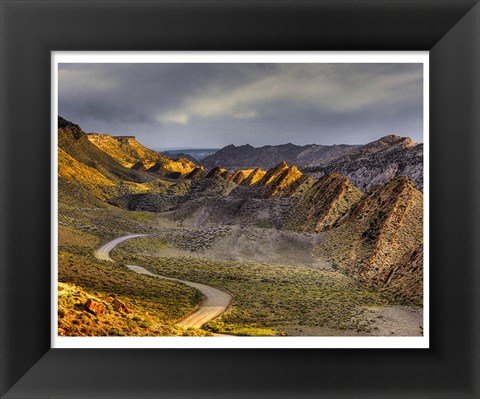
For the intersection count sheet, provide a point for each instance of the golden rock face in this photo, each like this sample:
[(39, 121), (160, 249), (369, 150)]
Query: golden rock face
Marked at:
[(254, 176), (131, 154)]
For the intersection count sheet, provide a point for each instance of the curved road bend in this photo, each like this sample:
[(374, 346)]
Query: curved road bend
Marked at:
[(214, 305)]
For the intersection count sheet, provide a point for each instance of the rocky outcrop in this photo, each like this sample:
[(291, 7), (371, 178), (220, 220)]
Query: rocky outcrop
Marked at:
[(371, 239), (377, 163), (119, 306), (323, 204), (95, 308), (272, 174), (197, 174), (215, 173), (170, 168), (255, 176), (280, 184), (226, 175), (131, 154), (125, 149), (74, 142), (238, 177)]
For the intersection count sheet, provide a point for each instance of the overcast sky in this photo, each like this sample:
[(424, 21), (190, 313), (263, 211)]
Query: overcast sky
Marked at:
[(213, 105)]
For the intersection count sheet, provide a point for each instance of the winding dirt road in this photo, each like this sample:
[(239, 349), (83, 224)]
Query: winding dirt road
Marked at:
[(215, 303)]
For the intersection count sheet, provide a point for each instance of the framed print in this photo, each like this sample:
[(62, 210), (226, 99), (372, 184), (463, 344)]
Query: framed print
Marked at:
[(259, 231), (196, 187)]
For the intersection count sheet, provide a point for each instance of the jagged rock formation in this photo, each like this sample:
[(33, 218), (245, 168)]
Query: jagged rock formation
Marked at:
[(298, 187), (280, 184), (256, 175), (238, 177), (215, 173), (140, 165), (377, 162), (226, 175), (197, 174), (384, 225), (276, 181), (272, 174), (323, 204)]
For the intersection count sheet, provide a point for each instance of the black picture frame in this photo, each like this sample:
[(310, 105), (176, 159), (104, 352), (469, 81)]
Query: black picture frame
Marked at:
[(449, 30)]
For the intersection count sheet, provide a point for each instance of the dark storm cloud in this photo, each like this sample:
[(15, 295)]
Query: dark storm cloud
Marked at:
[(212, 105)]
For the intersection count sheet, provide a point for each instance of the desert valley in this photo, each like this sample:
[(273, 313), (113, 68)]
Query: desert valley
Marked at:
[(280, 240)]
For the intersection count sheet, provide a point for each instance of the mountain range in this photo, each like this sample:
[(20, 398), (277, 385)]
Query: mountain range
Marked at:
[(365, 165), (247, 156), (360, 200)]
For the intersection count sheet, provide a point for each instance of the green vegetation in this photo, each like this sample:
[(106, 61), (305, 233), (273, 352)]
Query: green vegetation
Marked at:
[(268, 298), (141, 216), (155, 304)]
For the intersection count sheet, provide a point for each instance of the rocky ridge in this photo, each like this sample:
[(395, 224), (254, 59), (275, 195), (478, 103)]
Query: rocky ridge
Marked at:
[(131, 154), (377, 162), (247, 157), (376, 232)]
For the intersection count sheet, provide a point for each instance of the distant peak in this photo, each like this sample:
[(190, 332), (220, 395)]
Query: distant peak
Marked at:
[(390, 138)]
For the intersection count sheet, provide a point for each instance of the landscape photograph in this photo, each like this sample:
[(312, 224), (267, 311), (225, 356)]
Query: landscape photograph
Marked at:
[(240, 200)]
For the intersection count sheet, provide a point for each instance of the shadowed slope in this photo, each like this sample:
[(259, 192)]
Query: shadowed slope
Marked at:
[(378, 230), (323, 204)]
